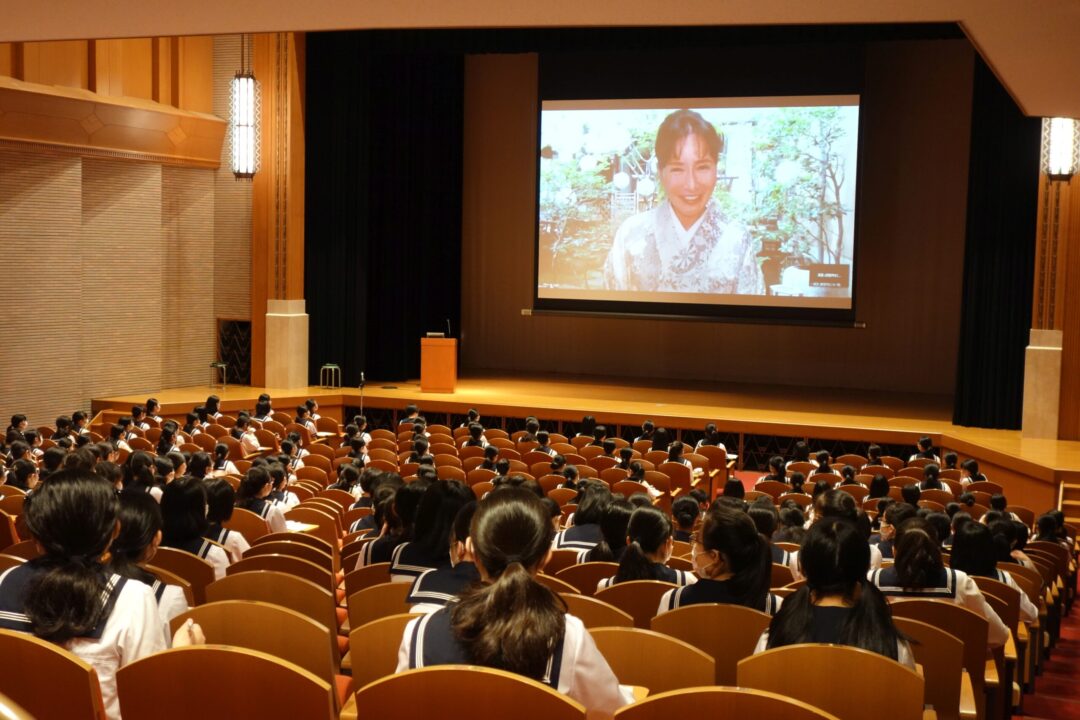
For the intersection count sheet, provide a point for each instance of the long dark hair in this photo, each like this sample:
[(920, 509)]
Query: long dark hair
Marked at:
[(435, 516), (835, 559), (139, 471), (613, 524), (254, 481), (732, 533), (513, 622), (974, 550), (72, 517), (648, 530), (140, 520), (917, 553), (183, 510)]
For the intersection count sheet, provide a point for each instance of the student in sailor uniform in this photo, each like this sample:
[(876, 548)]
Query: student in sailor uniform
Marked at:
[(647, 429), (675, 451), (613, 524), (116, 438), (919, 572), (585, 532), (801, 454), (139, 472), (303, 417), (183, 510), (191, 425), (222, 464), (164, 473), (733, 564), (280, 495), (430, 547), (313, 408), (685, 512), (68, 597), (78, 423), (766, 518), (976, 551), (263, 409), (777, 471), (510, 539), (348, 479), (836, 503), (243, 432), (382, 506), (895, 515), (476, 436), (140, 534), (926, 451), (213, 407), (253, 495), (543, 437), (1047, 530), (138, 417), (837, 605), (200, 465), (220, 500), (153, 407), (436, 588), (361, 423), (23, 475), (931, 478), (648, 549), (397, 525)]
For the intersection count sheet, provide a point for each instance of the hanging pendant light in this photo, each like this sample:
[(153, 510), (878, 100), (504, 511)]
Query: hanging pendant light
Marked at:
[(244, 124)]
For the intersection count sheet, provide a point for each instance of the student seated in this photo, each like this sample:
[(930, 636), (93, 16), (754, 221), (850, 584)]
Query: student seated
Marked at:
[(397, 527), (837, 605), (254, 496), (926, 451), (134, 546), (648, 548), (430, 547), (436, 588), (685, 512), (220, 501), (613, 524), (920, 573), (183, 511), (777, 471), (733, 564), (894, 516), (511, 621), (68, 597), (977, 551)]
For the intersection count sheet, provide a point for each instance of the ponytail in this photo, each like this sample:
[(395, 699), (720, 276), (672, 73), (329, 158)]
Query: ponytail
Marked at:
[(869, 625), (733, 534), (72, 517), (635, 565), (514, 623)]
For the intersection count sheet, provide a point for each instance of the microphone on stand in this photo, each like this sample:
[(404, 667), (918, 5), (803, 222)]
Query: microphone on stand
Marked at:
[(362, 383)]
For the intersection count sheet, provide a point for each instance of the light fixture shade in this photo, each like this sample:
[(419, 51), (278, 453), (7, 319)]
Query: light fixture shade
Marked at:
[(1060, 147), (244, 126)]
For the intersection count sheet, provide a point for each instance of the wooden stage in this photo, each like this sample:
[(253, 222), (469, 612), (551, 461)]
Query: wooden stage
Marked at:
[(1033, 471)]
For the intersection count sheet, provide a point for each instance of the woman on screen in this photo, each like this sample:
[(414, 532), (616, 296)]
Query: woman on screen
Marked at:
[(685, 244)]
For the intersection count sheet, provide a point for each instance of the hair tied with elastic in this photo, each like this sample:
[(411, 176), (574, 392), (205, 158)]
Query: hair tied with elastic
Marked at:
[(511, 559)]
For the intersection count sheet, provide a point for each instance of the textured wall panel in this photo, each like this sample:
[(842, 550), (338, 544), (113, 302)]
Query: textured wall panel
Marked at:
[(121, 276), (232, 207), (40, 223), (187, 318)]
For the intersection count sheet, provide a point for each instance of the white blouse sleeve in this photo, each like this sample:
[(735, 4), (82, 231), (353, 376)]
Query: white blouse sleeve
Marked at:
[(237, 545), (585, 675), (276, 518), (875, 557), (403, 649), (173, 603), (1028, 612), (762, 642), (219, 559), (665, 602), (793, 565), (969, 596)]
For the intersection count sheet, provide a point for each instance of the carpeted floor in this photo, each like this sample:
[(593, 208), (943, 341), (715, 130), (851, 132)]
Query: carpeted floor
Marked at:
[(1057, 690)]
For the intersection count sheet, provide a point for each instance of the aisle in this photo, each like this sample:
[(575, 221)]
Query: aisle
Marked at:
[(1057, 690)]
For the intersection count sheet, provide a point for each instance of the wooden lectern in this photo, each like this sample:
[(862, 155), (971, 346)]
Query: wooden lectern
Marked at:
[(438, 365)]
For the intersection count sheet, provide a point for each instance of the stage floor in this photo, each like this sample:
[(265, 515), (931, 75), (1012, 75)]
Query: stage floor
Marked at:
[(898, 418)]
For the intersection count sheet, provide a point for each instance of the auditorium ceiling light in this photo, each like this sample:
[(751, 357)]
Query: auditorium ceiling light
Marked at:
[(244, 123), (1060, 147)]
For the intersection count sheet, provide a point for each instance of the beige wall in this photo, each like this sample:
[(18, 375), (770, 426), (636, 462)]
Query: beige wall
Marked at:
[(916, 106), (115, 272)]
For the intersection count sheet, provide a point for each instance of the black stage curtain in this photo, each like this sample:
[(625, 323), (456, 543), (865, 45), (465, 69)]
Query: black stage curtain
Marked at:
[(383, 202), (999, 258)]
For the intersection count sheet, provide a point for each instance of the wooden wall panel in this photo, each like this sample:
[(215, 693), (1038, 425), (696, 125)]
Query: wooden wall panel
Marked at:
[(57, 63), (1068, 258), (7, 66), (122, 68), (232, 207), (161, 90), (912, 213), (194, 68)]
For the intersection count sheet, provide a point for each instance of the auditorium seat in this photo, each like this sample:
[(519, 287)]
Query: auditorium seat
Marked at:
[(46, 680), (877, 681), (148, 688), (653, 660), (456, 692), (295, 638), (639, 598), (198, 572), (377, 601), (728, 633), (595, 613), (721, 702), (941, 656), (586, 576)]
